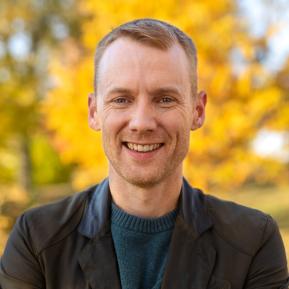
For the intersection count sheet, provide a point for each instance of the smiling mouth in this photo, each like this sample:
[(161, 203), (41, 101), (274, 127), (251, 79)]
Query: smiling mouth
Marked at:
[(143, 148)]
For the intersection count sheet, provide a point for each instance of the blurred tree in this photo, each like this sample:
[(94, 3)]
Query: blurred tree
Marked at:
[(30, 33), (243, 95)]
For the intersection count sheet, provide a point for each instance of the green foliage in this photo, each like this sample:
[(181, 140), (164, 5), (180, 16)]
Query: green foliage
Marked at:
[(46, 165), (31, 31)]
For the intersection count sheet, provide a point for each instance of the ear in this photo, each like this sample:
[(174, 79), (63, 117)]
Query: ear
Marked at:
[(199, 110), (93, 120)]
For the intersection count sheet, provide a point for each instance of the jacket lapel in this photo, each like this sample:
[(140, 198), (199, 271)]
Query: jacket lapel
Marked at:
[(97, 259), (191, 256), (99, 264), (191, 260)]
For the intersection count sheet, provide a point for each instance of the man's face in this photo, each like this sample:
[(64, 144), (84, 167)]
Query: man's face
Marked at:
[(145, 110)]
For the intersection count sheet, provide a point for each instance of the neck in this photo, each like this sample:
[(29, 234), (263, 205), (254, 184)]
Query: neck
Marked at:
[(153, 201)]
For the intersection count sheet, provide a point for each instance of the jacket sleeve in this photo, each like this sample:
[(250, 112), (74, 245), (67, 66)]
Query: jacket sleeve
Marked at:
[(19, 265), (268, 269)]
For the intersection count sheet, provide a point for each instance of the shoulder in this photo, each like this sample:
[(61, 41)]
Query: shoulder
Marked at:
[(244, 228), (45, 225)]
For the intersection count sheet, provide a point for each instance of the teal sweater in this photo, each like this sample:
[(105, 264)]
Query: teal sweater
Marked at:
[(141, 246)]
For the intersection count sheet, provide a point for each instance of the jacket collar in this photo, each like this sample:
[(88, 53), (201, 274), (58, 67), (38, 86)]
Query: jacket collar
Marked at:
[(97, 213), (193, 209)]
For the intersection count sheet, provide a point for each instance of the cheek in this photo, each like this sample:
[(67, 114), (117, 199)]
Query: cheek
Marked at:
[(180, 121), (112, 123)]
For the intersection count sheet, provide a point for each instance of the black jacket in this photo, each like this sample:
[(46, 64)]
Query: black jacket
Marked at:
[(215, 244)]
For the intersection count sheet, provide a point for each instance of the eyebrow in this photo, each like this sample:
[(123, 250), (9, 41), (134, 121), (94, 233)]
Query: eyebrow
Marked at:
[(157, 91), (119, 90), (166, 90)]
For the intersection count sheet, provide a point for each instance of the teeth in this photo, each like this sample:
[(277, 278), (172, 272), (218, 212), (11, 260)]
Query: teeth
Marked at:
[(143, 148)]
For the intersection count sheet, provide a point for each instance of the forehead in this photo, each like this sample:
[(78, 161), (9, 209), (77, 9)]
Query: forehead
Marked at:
[(128, 62)]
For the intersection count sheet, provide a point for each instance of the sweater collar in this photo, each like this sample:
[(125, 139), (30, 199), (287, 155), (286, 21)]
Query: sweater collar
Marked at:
[(122, 219)]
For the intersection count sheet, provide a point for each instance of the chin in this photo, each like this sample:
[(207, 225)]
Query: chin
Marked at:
[(145, 181)]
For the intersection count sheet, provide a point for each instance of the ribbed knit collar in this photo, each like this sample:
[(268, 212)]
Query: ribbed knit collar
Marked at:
[(142, 225)]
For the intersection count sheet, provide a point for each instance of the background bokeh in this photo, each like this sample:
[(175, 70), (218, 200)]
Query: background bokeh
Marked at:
[(46, 72)]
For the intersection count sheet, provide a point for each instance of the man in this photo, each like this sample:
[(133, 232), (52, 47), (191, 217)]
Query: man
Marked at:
[(144, 226)]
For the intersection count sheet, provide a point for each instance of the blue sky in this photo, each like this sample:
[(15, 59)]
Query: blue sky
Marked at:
[(260, 14)]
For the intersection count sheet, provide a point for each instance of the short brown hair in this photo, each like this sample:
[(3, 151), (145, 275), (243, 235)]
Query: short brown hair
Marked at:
[(154, 33)]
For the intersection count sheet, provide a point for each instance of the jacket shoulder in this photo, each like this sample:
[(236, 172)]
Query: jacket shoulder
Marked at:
[(244, 228), (54, 221)]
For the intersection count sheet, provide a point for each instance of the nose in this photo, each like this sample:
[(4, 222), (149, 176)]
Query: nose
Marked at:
[(143, 118)]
